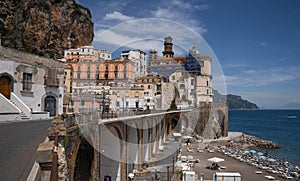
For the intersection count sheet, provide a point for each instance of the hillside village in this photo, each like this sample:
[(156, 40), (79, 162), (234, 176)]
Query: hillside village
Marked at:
[(88, 79)]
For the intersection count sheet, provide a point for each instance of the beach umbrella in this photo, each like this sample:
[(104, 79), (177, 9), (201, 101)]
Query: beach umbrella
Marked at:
[(246, 151), (215, 160), (252, 151), (259, 153), (271, 160), (261, 157), (223, 147)]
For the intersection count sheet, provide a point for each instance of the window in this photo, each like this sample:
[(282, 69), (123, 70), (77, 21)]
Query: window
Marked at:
[(207, 83), (27, 81), (149, 86), (106, 68), (116, 67), (82, 103), (182, 86), (124, 75), (78, 68), (97, 76), (116, 76), (97, 68), (192, 81), (78, 75), (88, 76), (127, 94), (125, 68), (127, 104), (137, 94), (118, 104), (207, 91)]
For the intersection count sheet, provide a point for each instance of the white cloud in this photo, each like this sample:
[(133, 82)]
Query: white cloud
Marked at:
[(250, 71), (150, 28), (182, 17), (117, 16), (255, 78), (202, 7)]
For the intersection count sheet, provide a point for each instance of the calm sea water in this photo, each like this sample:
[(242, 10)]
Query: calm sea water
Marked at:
[(280, 126)]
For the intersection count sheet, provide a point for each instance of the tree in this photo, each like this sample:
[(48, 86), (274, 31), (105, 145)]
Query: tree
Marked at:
[(173, 105)]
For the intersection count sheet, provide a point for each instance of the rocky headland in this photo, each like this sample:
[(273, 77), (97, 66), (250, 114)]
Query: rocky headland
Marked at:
[(256, 142)]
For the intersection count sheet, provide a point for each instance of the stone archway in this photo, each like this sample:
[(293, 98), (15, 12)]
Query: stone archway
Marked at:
[(84, 161), (132, 142), (219, 117), (112, 158), (6, 84), (176, 122)]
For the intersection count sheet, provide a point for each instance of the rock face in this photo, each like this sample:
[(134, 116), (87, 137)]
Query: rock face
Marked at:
[(45, 27), (252, 140)]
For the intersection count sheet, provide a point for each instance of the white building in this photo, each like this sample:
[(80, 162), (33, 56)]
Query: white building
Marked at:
[(31, 87), (139, 58), (185, 85), (104, 54)]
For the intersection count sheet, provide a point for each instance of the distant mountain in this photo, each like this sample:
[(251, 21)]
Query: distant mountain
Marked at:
[(234, 101)]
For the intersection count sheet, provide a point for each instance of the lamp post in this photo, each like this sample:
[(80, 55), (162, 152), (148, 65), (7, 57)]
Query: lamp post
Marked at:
[(168, 173), (173, 165), (103, 101)]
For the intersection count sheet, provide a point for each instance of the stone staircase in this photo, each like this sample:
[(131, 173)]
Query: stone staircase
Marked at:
[(24, 117)]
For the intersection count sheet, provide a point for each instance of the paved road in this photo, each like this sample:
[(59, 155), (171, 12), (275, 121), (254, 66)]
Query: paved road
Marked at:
[(18, 143)]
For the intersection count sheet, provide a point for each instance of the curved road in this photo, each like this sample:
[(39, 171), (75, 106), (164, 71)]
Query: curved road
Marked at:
[(18, 144)]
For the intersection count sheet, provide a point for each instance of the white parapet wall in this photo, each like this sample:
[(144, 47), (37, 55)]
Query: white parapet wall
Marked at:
[(7, 107), (21, 105), (8, 111)]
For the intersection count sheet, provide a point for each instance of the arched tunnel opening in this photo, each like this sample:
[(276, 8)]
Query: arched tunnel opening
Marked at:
[(84, 161)]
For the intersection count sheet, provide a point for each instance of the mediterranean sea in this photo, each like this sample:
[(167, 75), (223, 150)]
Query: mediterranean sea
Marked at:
[(280, 126)]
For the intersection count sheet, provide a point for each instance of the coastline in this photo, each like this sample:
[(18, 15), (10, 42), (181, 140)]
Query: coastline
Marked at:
[(240, 157)]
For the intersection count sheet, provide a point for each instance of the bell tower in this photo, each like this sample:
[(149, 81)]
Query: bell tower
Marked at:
[(168, 48)]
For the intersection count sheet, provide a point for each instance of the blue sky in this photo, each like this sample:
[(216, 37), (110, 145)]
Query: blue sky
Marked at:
[(256, 43)]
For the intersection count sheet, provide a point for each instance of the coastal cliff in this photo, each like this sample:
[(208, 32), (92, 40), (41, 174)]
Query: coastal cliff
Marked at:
[(45, 28), (234, 101)]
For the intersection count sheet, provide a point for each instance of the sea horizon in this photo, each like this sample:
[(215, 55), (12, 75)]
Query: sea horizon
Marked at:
[(279, 126)]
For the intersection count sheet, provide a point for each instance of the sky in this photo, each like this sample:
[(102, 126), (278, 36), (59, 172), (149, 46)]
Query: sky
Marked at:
[(255, 45)]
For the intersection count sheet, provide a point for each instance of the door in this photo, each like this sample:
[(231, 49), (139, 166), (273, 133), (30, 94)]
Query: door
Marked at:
[(50, 105), (5, 83)]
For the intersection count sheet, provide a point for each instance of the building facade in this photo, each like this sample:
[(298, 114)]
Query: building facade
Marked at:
[(191, 75), (31, 87), (138, 57)]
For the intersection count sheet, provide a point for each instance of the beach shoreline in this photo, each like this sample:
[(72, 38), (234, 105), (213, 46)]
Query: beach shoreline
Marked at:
[(238, 158)]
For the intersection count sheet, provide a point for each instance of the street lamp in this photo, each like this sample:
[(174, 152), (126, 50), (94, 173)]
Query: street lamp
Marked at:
[(173, 165), (168, 173)]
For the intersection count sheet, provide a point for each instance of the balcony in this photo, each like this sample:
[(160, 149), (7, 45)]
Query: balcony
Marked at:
[(51, 81)]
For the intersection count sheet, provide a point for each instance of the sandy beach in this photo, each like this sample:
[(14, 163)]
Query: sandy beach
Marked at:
[(247, 171)]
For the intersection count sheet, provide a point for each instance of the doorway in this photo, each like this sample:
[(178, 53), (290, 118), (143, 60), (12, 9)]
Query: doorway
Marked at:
[(5, 86), (50, 105)]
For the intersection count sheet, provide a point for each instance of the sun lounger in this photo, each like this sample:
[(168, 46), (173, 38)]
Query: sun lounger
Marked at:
[(269, 177), (258, 172)]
